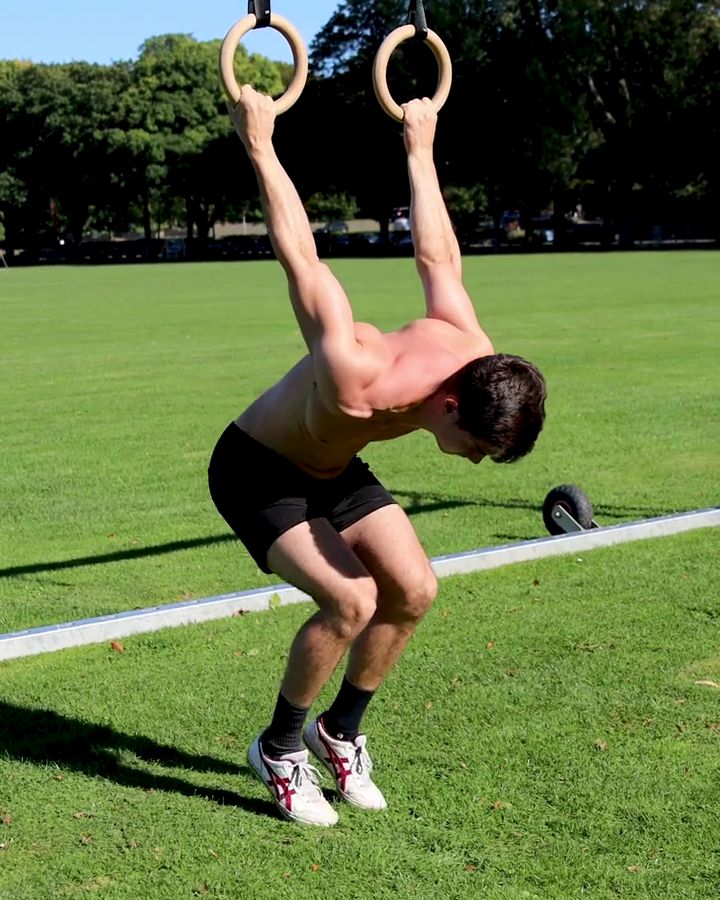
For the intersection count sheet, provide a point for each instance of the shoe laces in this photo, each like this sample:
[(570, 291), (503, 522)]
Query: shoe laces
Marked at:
[(303, 771), (361, 764)]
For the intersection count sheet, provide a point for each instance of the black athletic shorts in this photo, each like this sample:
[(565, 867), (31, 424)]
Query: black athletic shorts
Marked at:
[(261, 495)]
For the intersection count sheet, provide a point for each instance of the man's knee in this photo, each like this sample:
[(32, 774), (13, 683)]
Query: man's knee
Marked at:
[(355, 611), (414, 598)]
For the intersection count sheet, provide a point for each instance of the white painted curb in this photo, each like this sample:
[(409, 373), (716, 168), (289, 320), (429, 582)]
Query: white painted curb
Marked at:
[(105, 628)]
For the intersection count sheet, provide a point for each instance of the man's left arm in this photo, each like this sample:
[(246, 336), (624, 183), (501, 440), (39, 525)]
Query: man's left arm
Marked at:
[(437, 253)]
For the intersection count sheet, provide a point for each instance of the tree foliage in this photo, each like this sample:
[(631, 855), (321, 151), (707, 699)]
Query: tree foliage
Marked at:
[(605, 103)]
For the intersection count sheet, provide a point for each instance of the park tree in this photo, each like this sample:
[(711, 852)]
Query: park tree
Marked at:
[(329, 207), (553, 101), (84, 180), (14, 214), (56, 174), (642, 75), (105, 147), (177, 130), (505, 135), (361, 149)]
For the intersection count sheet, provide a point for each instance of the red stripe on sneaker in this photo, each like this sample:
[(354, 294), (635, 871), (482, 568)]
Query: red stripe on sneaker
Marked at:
[(281, 787), (337, 762)]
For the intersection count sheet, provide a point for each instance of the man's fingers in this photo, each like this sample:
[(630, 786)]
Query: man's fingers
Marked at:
[(417, 108)]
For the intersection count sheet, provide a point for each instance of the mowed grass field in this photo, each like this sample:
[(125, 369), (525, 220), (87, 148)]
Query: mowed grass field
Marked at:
[(551, 732), (116, 382)]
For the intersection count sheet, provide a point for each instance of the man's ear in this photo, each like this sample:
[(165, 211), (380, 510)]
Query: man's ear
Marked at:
[(450, 404)]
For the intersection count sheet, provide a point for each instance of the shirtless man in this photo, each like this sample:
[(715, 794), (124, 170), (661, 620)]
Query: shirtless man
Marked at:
[(286, 478)]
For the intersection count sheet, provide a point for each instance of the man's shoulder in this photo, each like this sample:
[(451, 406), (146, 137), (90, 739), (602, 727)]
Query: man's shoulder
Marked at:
[(426, 333)]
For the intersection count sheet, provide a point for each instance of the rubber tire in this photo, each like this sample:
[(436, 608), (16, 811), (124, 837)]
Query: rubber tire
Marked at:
[(573, 500)]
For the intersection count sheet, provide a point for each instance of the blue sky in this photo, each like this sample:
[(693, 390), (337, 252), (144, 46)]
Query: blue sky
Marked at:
[(94, 31)]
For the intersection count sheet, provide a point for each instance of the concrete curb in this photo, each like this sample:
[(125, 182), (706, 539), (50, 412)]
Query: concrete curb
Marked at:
[(105, 628)]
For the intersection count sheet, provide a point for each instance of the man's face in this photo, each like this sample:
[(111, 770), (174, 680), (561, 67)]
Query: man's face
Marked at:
[(458, 442)]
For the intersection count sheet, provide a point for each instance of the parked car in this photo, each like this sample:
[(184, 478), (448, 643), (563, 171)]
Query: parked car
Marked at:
[(335, 227), (542, 229)]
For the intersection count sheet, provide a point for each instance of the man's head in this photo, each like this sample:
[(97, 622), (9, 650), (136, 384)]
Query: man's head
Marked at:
[(494, 406)]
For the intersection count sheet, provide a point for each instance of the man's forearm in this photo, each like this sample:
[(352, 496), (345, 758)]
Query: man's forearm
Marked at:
[(285, 216), (432, 231)]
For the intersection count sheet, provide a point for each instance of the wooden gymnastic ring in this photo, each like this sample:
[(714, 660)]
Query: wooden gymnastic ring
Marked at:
[(388, 47), (297, 45)]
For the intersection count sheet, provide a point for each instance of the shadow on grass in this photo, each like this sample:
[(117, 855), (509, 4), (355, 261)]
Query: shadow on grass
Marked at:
[(413, 502), (42, 737), (429, 503), (418, 501), (117, 556), (515, 538)]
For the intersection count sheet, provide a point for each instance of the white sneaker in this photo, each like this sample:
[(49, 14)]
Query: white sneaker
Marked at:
[(294, 786), (349, 763)]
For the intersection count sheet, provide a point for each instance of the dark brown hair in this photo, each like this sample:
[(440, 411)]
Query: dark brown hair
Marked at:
[(501, 400)]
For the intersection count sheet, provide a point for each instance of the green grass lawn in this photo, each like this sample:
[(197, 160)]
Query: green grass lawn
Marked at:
[(118, 380), (551, 732)]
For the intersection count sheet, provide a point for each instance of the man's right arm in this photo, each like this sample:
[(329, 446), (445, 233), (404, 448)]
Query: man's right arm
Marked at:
[(319, 302)]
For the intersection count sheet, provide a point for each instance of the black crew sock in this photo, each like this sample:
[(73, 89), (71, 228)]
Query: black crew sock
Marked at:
[(284, 734), (342, 720)]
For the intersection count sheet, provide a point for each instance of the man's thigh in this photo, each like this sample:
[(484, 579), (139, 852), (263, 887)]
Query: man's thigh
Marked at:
[(314, 558), (388, 546)]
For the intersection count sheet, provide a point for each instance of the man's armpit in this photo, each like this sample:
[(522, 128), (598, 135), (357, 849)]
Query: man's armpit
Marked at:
[(344, 374)]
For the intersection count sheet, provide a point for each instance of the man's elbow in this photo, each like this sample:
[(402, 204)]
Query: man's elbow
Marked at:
[(434, 266), (437, 264)]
